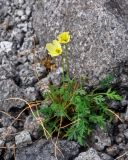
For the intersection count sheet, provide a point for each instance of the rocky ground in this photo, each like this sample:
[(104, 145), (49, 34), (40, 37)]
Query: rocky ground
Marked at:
[(23, 77)]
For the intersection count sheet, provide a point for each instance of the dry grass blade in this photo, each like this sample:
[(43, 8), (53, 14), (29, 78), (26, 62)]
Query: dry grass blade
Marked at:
[(115, 115), (46, 133), (126, 153)]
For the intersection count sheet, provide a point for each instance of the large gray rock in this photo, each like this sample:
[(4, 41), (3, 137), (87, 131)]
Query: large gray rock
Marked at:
[(98, 29), (44, 150)]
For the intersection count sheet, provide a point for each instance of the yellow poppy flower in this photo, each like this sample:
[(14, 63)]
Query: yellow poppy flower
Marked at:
[(64, 37), (54, 48)]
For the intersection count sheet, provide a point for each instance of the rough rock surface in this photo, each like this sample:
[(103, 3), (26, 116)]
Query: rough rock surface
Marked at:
[(100, 139), (88, 155), (44, 150), (32, 126), (104, 156), (8, 89), (98, 29)]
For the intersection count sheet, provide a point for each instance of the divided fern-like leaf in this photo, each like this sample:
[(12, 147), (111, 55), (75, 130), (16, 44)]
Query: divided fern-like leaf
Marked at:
[(113, 95), (78, 131), (100, 120)]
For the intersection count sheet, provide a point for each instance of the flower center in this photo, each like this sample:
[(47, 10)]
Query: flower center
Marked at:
[(58, 50), (65, 39)]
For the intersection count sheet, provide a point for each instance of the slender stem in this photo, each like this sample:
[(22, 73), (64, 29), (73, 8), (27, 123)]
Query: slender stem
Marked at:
[(61, 119), (125, 154), (95, 89), (63, 67), (97, 94), (81, 87), (69, 124), (67, 62)]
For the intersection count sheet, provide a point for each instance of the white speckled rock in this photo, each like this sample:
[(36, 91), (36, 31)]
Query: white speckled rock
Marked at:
[(28, 11), (5, 46), (99, 35), (20, 12)]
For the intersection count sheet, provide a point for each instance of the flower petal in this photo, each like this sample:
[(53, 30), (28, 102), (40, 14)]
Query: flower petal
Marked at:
[(50, 47)]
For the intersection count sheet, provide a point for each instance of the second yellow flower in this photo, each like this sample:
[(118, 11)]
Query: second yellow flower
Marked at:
[(54, 48)]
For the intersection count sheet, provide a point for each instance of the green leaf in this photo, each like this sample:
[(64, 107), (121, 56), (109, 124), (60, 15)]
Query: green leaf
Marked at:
[(51, 126), (58, 110), (97, 120), (80, 92), (78, 131), (99, 99), (47, 112), (113, 95)]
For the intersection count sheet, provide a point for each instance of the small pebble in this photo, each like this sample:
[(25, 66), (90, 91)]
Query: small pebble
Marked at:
[(112, 150), (28, 11), (23, 138), (119, 138), (126, 134), (20, 13)]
